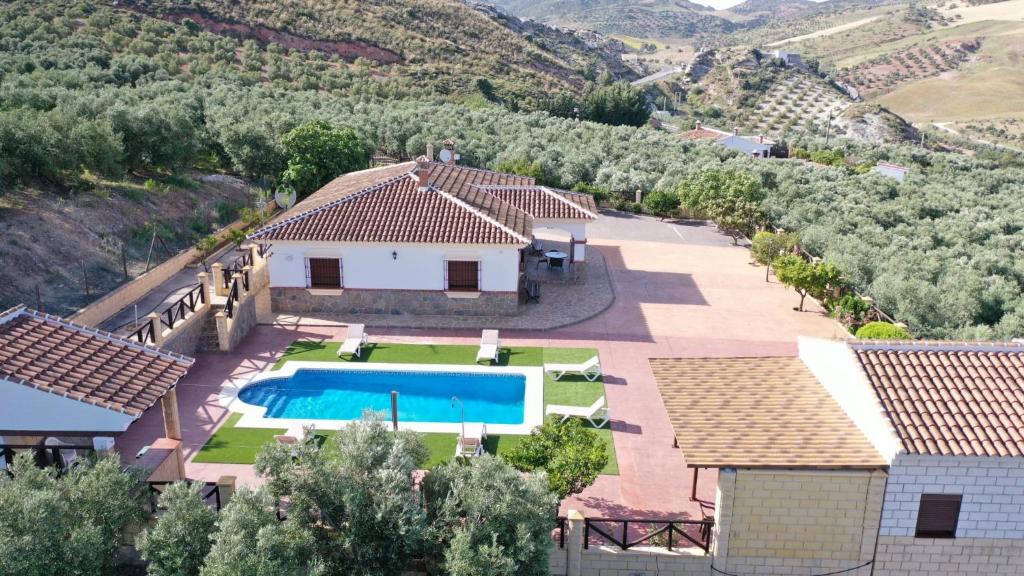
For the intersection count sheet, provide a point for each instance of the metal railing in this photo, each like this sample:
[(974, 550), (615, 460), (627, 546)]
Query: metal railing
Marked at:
[(561, 525), (696, 532), (229, 306), (210, 493), (145, 333), (180, 309)]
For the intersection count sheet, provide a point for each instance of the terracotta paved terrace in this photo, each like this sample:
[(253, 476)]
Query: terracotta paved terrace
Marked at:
[(682, 291)]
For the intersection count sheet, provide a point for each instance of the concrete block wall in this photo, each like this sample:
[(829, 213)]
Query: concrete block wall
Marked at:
[(797, 522), (992, 489), (907, 556), (644, 561)]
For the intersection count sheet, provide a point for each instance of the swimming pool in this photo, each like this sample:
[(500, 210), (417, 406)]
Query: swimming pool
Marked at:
[(312, 393), (509, 399)]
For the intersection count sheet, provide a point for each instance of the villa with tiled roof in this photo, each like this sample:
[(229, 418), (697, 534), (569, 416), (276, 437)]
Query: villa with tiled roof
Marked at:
[(866, 457), (418, 237)]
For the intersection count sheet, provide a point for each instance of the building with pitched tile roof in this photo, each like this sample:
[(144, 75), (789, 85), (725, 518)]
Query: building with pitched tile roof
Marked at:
[(949, 419), (866, 457), (69, 384), (755, 146), (419, 237)]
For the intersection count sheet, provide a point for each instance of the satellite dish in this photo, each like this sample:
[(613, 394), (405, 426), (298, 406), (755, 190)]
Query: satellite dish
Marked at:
[(445, 155), (285, 198)]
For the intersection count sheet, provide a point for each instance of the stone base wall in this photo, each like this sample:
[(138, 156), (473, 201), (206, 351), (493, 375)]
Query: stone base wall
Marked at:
[(243, 321), (417, 302), (908, 556), (187, 337)]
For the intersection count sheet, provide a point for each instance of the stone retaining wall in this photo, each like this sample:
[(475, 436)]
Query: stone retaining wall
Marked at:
[(908, 556), (394, 302), (187, 336)]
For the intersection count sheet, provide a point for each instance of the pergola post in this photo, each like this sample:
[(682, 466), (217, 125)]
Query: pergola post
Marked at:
[(172, 423)]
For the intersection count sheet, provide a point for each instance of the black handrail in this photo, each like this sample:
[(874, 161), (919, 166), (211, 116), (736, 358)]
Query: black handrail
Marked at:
[(229, 307), (180, 309), (213, 491), (144, 333), (671, 527)]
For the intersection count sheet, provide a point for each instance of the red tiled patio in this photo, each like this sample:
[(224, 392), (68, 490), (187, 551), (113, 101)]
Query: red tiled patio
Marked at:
[(681, 291)]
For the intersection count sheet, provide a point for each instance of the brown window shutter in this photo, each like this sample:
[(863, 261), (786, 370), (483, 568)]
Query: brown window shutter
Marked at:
[(324, 273), (463, 275), (937, 515)]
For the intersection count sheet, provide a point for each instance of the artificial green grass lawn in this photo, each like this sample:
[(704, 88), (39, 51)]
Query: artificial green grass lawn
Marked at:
[(232, 445)]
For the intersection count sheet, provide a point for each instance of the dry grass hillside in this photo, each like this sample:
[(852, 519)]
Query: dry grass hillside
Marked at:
[(69, 244)]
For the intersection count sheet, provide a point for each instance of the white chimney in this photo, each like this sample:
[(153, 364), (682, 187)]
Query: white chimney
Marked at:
[(430, 151), (696, 125)]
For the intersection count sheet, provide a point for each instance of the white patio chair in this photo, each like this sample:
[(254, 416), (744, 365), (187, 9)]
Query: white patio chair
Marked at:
[(354, 340), (472, 444), (590, 413), (490, 346), (591, 369)]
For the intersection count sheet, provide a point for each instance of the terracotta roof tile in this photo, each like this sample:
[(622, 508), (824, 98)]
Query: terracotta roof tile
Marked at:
[(547, 203), (386, 205), (54, 355), (702, 134), (758, 413), (964, 399)]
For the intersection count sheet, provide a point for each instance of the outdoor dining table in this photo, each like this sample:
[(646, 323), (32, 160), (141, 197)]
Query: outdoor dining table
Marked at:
[(555, 258)]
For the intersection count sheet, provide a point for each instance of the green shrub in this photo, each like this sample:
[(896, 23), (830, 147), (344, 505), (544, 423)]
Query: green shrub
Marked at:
[(571, 455), (661, 203), (636, 208), (882, 331)]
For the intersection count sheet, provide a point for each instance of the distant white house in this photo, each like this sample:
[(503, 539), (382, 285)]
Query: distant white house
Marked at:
[(893, 171), (755, 146), (790, 58), (419, 237)]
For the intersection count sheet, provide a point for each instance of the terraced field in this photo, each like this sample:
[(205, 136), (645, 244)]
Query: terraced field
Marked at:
[(798, 102), (884, 73)]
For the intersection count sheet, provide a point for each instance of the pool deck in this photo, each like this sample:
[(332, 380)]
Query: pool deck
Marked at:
[(682, 290)]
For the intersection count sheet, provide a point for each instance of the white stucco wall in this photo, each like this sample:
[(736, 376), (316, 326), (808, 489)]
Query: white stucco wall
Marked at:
[(26, 409), (577, 229), (891, 171), (371, 266), (837, 368), (992, 489)]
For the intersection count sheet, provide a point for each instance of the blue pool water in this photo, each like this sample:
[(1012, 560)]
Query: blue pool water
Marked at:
[(422, 396)]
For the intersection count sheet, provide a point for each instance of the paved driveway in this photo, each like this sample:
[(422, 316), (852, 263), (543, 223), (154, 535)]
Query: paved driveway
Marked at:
[(682, 290)]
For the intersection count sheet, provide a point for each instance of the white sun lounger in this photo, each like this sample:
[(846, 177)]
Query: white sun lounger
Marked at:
[(490, 346), (473, 442), (354, 340), (590, 413), (591, 369)]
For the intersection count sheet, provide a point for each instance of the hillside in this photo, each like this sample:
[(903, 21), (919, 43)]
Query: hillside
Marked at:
[(425, 46), (942, 63), (640, 19), (754, 93)]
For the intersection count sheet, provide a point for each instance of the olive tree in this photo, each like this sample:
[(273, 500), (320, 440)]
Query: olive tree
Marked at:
[(179, 542), (486, 518), (251, 541), (71, 524), (355, 493)]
